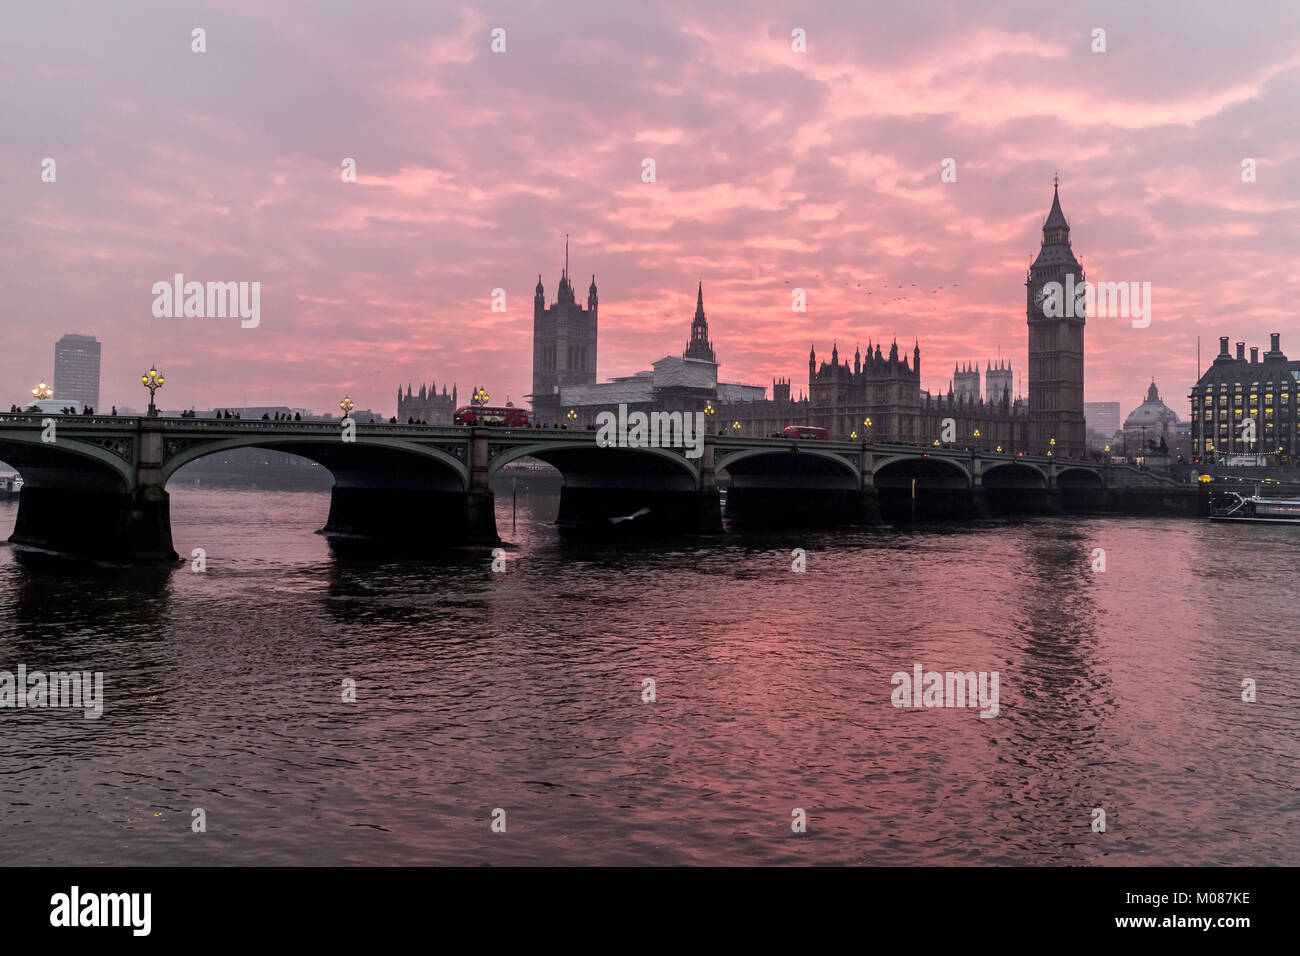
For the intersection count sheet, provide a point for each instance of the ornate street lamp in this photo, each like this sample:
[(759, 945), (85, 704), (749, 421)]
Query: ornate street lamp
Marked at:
[(480, 397), (708, 409), (153, 381), (42, 391), (735, 426), (853, 435), (999, 449), (347, 405), (1051, 442)]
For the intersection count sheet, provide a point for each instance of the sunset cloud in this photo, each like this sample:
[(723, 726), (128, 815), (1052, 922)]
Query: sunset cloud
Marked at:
[(774, 170)]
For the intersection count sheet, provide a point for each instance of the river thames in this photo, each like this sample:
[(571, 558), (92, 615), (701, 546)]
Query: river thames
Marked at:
[(524, 691)]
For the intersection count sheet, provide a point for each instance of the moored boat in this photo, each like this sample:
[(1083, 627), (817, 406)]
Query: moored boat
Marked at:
[(1258, 509)]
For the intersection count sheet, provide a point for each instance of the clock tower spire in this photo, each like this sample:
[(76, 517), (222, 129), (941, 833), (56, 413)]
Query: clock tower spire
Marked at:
[(1055, 341)]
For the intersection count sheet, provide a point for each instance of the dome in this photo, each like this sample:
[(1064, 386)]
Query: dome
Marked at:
[(1151, 412)]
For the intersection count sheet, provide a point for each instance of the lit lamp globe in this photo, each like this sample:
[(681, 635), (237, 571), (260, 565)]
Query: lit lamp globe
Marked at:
[(152, 380)]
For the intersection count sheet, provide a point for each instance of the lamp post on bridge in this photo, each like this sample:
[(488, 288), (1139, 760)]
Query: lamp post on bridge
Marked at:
[(347, 405), (42, 391), (153, 381)]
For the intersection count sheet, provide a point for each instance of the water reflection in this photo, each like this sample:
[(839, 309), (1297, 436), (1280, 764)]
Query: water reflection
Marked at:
[(525, 689)]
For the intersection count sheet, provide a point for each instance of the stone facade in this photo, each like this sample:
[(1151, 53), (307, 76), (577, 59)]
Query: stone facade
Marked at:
[(426, 405), (1235, 391), (1056, 421), (564, 344)]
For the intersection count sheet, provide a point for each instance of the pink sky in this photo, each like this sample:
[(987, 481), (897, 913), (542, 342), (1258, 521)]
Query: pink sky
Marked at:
[(775, 170)]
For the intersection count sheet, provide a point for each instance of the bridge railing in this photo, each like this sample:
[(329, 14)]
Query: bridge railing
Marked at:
[(36, 419)]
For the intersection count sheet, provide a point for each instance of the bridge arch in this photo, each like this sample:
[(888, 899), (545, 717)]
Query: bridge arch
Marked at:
[(791, 455), (62, 462), (935, 470), (1075, 476), (1014, 473), (585, 457), (341, 458), (782, 483)]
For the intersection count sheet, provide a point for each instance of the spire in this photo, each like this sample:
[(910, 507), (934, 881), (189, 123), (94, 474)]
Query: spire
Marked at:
[(1056, 218), (565, 294), (699, 347)]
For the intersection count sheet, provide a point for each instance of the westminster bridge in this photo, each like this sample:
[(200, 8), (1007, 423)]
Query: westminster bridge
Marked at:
[(96, 485)]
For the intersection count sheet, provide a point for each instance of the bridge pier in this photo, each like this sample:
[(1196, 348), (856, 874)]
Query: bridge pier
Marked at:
[(103, 525), (870, 513), (412, 517)]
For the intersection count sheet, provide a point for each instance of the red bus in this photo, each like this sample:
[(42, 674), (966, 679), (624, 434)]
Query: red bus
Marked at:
[(491, 415), (804, 431)]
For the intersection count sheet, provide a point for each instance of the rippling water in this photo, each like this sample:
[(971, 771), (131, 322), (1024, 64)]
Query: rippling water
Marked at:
[(523, 691)]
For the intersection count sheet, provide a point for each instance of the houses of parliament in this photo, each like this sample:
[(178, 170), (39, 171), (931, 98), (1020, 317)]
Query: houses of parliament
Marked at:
[(875, 397)]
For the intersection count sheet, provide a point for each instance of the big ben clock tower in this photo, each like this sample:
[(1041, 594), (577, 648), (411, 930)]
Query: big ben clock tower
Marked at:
[(1055, 344)]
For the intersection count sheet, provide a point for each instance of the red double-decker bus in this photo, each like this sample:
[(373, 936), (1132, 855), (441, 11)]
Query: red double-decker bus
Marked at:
[(804, 431), (508, 417)]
